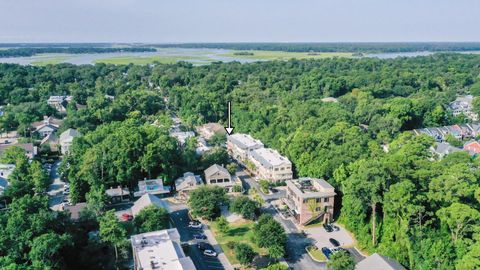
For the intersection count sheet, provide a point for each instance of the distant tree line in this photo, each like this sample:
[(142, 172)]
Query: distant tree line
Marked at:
[(19, 52)]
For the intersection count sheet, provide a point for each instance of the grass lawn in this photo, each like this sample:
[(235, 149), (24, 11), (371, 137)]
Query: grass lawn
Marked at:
[(44, 59), (240, 231), (125, 60), (316, 254), (279, 55)]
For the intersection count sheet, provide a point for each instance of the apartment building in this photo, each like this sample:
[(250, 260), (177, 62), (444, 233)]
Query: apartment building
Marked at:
[(240, 146), (159, 250), (309, 199), (270, 165)]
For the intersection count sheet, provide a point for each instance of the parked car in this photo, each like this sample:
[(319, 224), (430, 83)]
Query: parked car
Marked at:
[(334, 242), (195, 224), (327, 252), (127, 217), (327, 227), (210, 253), (204, 246), (200, 236)]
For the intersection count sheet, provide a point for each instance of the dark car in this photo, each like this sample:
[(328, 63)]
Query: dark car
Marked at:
[(334, 242), (200, 236), (327, 227), (204, 246), (327, 252)]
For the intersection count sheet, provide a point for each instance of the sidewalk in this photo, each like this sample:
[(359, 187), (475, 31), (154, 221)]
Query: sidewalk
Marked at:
[(221, 256)]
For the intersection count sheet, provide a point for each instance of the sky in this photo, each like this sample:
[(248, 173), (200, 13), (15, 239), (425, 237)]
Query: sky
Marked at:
[(172, 21)]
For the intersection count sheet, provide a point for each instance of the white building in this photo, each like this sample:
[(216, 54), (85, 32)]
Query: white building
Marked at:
[(240, 146), (182, 136), (5, 171), (59, 102), (159, 250), (66, 139), (270, 165), (151, 186), (46, 127), (219, 176), (187, 183), (463, 105)]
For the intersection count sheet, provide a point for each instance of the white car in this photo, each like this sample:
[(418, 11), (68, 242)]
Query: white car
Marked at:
[(195, 225), (210, 253)]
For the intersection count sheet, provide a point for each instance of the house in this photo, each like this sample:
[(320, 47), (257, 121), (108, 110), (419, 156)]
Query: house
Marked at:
[(310, 199), (59, 102), (5, 171), (472, 146), (459, 132), (463, 106), (118, 195), (219, 176), (240, 146), (50, 140), (66, 139), (47, 126), (147, 200), (270, 165), (202, 146), (442, 149), (29, 148), (378, 262), (159, 250), (207, 131), (151, 186), (187, 183)]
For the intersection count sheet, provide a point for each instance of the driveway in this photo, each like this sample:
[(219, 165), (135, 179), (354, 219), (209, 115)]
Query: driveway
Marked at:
[(249, 182), (56, 188)]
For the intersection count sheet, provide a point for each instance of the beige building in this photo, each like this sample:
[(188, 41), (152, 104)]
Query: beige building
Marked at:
[(208, 130), (66, 139), (270, 165), (310, 198), (159, 250), (240, 146), (184, 185), (219, 176)]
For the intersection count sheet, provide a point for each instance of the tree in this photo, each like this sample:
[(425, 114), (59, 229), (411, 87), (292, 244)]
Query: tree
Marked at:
[(459, 218), (218, 139), (111, 231), (205, 201), (341, 260), (276, 266), (268, 233), (45, 250), (222, 224), (39, 177), (244, 253), (232, 168), (244, 206), (151, 219)]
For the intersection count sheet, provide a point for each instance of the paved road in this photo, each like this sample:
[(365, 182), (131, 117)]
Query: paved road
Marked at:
[(55, 190), (180, 217), (249, 182)]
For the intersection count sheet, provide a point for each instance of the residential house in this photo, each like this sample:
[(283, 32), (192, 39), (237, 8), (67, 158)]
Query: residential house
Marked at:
[(219, 176), (50, 140), (378, 262), (118, 195), (472, 147), (207, 131), (240, 146), (59, 102), (310, 199), (184, 185), (442, 149), (463, 106), (147, 200), (159, 250), (5, 171), (66, 139), (29, 148), (202, 146), (270, 165), (460, 132), (46, 127), (151, 186)]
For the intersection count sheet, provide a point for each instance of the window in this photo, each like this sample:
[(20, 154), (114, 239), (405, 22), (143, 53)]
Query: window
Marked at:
[(213, 181), (226, 180), (326, 199), (276, 169), (220, 181)]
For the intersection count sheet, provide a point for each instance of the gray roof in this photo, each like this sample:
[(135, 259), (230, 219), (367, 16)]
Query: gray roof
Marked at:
[(269, 157), (215, 169), (69, 134), (378, 262), (445, 148), (244, 141), (28, 147), (148, 200), (189, 180)]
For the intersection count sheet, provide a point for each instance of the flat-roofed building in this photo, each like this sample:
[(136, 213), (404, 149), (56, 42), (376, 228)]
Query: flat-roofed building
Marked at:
[(240, 146), (309, 199), (270, 165), (159, 250), (378, 262)]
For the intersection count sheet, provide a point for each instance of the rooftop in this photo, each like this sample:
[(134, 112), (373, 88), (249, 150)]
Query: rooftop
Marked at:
[(151, 186), (311, 187), (214, 169), (160, 250), (244, 141), (269, 157), (378, 262)]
